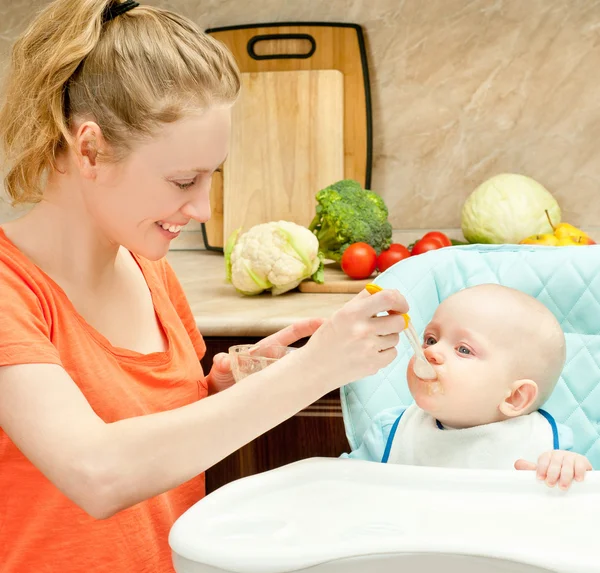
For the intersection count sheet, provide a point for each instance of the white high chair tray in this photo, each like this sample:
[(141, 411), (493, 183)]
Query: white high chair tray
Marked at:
[(350, 515)]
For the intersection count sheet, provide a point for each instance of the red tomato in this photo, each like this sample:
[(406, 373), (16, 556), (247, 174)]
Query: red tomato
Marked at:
[(394, 254), (396, 247), (438, 236), (431, 241), (359, 261)]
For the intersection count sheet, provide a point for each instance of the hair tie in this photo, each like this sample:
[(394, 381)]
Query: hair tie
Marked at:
[(114, 10)]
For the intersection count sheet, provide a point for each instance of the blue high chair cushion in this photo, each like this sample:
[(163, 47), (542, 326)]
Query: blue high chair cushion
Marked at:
[(565, 279)]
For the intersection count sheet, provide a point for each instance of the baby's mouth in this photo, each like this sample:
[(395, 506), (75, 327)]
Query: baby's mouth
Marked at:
[(432, 386)]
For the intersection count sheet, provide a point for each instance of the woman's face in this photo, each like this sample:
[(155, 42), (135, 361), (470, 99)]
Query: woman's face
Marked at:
[(143, 201)]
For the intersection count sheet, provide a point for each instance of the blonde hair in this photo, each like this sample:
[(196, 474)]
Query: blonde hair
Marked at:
[(142, 69)]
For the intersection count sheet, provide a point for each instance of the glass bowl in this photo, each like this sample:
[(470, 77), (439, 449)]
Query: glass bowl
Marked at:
[(247, 359)]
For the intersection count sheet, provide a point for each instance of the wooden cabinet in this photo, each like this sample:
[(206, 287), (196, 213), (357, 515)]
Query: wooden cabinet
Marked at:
[(318, 430)]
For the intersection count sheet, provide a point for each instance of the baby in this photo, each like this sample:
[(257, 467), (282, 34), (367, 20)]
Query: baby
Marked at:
[(497, 354)]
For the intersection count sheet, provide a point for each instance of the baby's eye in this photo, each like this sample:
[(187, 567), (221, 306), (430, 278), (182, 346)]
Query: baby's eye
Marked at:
[(464, 350), (185, 185), (429, 340)]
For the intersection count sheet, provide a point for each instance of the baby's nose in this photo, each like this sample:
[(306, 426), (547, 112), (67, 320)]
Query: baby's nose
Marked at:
[(432, 356)]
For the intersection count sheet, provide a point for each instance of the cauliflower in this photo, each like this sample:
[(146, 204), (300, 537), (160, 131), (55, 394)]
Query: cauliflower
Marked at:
[(276, 256)]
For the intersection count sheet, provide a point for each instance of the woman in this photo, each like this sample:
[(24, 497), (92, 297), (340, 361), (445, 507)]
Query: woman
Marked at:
[(116, 116)]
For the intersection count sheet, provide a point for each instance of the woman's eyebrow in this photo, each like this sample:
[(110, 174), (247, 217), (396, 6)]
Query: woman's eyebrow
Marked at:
[(208, 169), (198, 170), (195, 170)]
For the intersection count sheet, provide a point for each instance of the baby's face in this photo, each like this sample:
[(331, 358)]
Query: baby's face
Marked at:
[(470, 346)]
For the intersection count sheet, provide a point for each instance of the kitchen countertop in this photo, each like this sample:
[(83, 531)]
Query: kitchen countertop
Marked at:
[(220, 311)]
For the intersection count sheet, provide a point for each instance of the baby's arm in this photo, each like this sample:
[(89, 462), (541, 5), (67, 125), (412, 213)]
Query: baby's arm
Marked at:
[(558, 466)]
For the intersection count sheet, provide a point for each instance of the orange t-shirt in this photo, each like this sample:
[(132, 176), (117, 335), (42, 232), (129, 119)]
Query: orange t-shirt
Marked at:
[(40, 528)]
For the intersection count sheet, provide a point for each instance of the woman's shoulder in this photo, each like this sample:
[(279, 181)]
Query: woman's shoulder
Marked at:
[(19, 276)]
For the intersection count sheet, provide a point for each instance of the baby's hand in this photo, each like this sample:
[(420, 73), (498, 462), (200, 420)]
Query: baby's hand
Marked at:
[(558, 466)]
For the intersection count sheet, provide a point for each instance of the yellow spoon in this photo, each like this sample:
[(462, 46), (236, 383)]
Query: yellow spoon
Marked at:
[(422, 367)]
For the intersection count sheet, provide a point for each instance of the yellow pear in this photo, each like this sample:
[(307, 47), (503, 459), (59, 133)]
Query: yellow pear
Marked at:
[(543, 239)]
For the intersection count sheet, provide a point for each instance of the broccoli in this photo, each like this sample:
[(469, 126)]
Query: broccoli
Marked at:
[(345, 214)]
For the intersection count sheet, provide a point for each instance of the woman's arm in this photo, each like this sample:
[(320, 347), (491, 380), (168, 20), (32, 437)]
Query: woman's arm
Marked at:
[(107, 467)]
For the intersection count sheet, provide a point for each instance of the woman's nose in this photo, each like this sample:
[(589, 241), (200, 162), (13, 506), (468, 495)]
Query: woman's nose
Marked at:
[(433, 356), (197, 210), (198, 207)]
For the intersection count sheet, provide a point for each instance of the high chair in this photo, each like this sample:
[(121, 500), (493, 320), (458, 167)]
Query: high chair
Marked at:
[(338, 515)]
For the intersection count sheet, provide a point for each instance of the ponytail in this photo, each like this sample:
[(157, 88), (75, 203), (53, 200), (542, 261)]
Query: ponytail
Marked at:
[(130, 75)]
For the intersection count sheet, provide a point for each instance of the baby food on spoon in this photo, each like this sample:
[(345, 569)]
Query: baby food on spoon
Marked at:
[(423, 369)]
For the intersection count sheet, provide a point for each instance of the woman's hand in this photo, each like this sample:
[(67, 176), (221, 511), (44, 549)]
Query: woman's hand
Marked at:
[(221, 377), (355, 342)]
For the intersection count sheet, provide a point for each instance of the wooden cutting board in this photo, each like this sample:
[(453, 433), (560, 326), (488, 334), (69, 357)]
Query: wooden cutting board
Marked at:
[(335, 281), (296, 46), (287, 143)]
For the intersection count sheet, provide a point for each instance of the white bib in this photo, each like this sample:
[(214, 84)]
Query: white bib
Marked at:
[(419, 440)]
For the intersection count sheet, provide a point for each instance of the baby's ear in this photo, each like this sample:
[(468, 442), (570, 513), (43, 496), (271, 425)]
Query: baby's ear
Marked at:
[(520, 395)]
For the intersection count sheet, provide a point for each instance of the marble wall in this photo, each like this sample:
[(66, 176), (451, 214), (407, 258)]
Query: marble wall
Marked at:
[(462, 90)]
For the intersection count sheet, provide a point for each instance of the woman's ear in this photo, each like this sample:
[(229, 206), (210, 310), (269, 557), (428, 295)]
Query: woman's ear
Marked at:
[(519, 397), (89, 144)]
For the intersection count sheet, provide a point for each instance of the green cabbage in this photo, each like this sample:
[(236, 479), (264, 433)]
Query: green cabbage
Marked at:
[(507, 208)]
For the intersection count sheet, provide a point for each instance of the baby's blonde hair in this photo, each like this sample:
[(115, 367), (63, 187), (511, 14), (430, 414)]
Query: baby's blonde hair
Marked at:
[(142, 69)]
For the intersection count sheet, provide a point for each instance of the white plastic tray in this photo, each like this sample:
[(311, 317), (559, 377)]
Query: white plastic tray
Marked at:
[(317, 511)]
